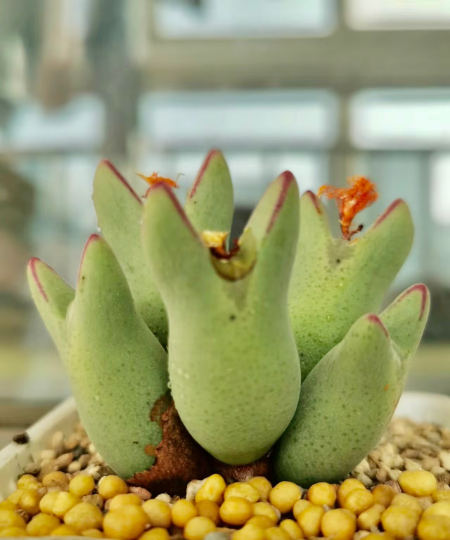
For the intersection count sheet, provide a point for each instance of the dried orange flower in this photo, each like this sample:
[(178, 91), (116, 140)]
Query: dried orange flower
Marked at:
[(352, 200), (155, 179)]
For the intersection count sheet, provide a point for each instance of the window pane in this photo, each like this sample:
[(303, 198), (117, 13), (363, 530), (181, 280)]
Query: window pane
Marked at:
[(216, 19), (235, 119), (78, 125), (398, 14), (400, 119), (440, 190)]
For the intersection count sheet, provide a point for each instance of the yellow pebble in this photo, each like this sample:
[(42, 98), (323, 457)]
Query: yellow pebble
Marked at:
[(158, 512), (8, 518), (110, 486), (379, 536), (15, 496), (284, 495), (236, 511), (402, 499), (338, 524), (158, 533), (434, 528), (358, 501), (266, 509), (437, 495), (418, 483), (123, 500), (42, 525), (183, 511), (13, 531), (310, 520), (81, 485), (262, 485), (249, 532), (292, 528), (64, 502), (28, 481), (8, 505), (262, 521), (383, 494), (47, 502), (212, 489), (64, 530), (275, 533), (299, 506), (198, 528), (55, 479), (322, 493), (93, 533), (242, 489), (84, 516), (126, 523), (370, 517), (441, 508), (348, 485), (29, 501), (208, 509), (400, 521)]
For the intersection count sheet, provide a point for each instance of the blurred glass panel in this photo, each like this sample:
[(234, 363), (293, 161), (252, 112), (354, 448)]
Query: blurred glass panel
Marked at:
[(78, 125), (398, 14), (265, 118), (216, 19), (439, 236), (400, 119)]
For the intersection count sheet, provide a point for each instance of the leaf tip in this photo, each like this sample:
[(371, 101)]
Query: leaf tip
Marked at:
[(389, 210), (105, 163), (286, 179), (209, 157), (377, 321), (32, 268), (421, 289), (315, 200)]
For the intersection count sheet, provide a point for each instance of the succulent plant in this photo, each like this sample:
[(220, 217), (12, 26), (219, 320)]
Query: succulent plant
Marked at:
[(242, 332), (337, 280), (230, 340), (119, 210)]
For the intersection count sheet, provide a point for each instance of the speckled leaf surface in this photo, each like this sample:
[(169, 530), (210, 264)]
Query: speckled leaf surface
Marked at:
[(116, 366), (233, 363), (349, 397), (209, 203), (119, 214), (52, 296), (334, 281)]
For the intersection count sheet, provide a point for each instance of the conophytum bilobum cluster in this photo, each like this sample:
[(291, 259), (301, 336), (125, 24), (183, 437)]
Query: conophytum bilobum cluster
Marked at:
[(293, 308)]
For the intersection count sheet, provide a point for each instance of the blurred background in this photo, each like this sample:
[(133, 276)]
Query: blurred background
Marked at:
[(325, 88)]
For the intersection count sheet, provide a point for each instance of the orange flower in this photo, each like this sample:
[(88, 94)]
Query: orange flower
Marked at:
[(352, 200), (155, 179)]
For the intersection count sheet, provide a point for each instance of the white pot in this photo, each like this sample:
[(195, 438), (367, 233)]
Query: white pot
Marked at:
[(418, 406)]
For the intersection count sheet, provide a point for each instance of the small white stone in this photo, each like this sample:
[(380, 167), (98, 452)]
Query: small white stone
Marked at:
[(47, 455), (165, 497), (75, 466), (362, 467), (411, 465), (192, 488), (445, 460), (394, 474)]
